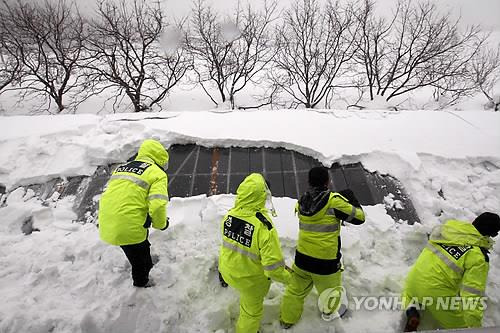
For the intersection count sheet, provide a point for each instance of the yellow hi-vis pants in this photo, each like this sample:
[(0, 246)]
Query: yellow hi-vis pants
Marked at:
[(252, 292), (300, 285)]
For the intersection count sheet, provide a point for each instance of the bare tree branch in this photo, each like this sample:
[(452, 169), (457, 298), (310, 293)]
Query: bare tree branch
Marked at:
[(124, 51), (314, 48), (45, 41), (418, 47), (485, 72), (233, 53), (10, 62)]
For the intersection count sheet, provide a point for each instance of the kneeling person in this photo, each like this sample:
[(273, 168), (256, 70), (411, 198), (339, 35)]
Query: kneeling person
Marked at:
[(454, 265)]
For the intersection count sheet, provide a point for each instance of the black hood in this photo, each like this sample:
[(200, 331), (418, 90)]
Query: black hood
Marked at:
[(313, 201)]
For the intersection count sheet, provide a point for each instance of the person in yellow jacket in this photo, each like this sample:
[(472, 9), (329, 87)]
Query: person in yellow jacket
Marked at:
[(453, 266), (317, 257), (136, 198), (250, 254)]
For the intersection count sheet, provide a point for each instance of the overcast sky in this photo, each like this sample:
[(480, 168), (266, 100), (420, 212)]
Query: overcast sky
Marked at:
[(485, 12)]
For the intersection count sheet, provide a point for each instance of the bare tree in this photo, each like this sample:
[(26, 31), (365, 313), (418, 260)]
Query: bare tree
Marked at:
[(372, 41), (485, 71), (125, 52), (314, 48), (10, 62), (230, 54), (9, 70), (418, 47), (45, 40), (451, 90)]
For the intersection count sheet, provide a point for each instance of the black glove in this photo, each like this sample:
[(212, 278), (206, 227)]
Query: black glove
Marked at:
[(166, 224), (147, 224), (222, 282), (349, 195)]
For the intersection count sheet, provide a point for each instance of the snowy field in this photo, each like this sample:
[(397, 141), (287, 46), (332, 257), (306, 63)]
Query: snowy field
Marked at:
[(64, 279)]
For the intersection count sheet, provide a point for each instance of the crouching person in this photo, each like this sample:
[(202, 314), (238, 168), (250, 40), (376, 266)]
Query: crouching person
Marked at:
[(250, 254), (135, 199), (452, 267)]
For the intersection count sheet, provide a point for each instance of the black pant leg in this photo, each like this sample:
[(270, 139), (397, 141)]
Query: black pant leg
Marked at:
[(139, 257)]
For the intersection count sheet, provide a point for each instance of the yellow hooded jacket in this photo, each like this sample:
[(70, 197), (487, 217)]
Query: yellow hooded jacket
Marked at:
[(136, 190), (250, 244), (454, 263), (320, 213)]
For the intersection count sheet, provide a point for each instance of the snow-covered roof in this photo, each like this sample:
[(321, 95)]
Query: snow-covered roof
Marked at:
[(372, 137), (64, 278)]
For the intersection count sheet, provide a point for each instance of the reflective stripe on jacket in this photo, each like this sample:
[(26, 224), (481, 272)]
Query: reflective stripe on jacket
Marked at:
[(454, 263), (134, 191), (250, 244)]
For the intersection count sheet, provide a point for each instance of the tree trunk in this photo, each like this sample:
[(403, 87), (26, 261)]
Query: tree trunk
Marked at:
[(231, 99), (60, 105)]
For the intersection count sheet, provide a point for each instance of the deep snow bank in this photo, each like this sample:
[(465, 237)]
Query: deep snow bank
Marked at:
[(64, 279)]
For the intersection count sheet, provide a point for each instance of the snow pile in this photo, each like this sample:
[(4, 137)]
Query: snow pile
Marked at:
[(46, 147), (62, 278)]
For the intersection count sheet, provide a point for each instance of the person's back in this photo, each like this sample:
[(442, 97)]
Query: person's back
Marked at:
[(318, 257), (250, 254), (135, 198), (320, 212), (454, 263), (136, 190)]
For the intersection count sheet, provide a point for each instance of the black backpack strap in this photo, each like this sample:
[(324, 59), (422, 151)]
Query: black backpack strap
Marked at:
[(486, 254), (265, 221)]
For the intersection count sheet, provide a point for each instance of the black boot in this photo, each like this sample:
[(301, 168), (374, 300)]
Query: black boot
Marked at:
[(222, 282), (412, 319), (284, 325)]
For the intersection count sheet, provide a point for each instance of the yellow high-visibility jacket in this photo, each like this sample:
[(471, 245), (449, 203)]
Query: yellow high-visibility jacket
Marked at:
[(454, 263), (320, 212), (250, 245), (135, 194)]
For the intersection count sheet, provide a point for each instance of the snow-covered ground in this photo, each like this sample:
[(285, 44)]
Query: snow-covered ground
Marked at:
[(64, 279)]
